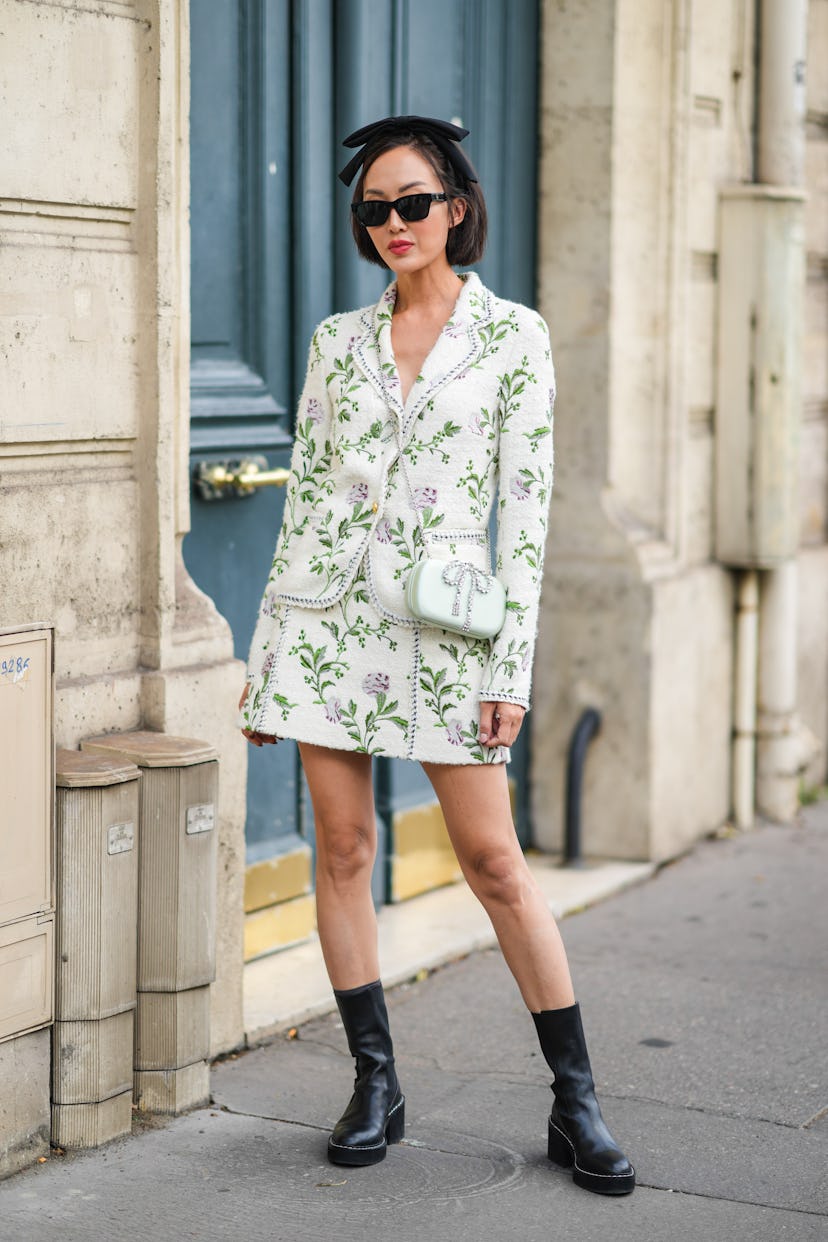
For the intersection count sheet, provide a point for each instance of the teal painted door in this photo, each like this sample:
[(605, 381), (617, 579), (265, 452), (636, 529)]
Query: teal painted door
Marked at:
[(275, 86)]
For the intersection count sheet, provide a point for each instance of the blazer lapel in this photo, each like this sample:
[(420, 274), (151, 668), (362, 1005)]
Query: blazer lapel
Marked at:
[(374, 356), (459, 346)]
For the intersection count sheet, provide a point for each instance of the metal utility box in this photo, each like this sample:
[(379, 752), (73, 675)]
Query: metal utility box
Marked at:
[(758, 399), (26, 891), (26, 986), (26, 779)]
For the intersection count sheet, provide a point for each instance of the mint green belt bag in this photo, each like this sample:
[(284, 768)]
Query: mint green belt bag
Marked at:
[(456, 595)]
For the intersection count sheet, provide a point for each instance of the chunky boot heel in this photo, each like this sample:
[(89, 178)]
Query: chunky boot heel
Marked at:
[(559, 1149), (578, 1135), (395, 1126), (375, 1115)]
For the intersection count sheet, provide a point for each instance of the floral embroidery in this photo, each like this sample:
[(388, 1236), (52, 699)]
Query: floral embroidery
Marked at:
[(363, 731), (476, 485), (376, 683), (424, 497), (520, 487)]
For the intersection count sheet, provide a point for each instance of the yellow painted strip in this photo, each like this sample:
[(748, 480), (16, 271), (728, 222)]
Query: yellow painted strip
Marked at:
[(279, 926), (277, 879), (423, 857)]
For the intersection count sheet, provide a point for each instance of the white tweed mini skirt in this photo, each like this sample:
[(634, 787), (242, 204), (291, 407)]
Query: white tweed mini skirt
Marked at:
[(348, 678)]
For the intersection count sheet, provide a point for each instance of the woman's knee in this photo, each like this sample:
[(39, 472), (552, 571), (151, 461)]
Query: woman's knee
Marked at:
[(499, 876), (345, 851)]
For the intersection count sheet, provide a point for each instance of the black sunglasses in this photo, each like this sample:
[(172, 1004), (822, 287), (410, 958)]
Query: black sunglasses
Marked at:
[(375, 211)]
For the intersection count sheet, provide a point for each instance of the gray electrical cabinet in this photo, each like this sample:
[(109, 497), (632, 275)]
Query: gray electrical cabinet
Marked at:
[(26, 891), (758, 399)]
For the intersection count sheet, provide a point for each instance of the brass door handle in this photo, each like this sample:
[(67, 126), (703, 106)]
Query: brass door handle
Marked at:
[(215, 480)]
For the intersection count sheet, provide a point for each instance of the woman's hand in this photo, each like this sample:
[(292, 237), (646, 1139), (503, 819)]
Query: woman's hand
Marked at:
[(258, 739), (500, 723)]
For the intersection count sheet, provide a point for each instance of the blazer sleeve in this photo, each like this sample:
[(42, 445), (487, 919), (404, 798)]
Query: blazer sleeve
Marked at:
[(525, 467), (310, 469)]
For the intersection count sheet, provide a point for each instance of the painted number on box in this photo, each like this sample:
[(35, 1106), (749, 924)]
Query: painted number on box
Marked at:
[(200, 818), (120, 838), (14, 670)]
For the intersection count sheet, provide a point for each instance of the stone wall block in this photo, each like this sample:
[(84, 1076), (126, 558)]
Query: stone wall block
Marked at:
[(92, 1125), (24, 1101), (173, 1029), (172, 1091), (92, 1061)]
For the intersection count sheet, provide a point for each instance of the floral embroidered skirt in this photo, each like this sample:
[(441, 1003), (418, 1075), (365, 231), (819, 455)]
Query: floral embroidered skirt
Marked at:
[(348, 678)]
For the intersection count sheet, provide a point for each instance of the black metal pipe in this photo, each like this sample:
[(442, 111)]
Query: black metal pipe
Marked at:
[(383, 809), (583, 733)]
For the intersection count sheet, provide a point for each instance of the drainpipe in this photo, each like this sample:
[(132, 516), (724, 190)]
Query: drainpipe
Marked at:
[(780, 139), (744, 713), (780, 157)]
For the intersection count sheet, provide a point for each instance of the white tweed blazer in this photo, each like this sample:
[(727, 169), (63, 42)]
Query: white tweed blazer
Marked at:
[(375, 479)]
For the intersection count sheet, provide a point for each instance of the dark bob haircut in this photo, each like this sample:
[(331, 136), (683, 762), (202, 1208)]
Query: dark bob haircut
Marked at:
[(466, 240)]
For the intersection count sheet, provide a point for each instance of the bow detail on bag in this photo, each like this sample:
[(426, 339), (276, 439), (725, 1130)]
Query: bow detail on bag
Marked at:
[(457, 574)]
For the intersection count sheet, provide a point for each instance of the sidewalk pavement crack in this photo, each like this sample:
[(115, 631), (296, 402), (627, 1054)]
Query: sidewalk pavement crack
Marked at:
[(699, 1194), (711, 1112), (286, 1121)]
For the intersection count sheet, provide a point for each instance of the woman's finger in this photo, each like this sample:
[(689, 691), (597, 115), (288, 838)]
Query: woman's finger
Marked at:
[(507, 719), (260, 739), (486, 728)]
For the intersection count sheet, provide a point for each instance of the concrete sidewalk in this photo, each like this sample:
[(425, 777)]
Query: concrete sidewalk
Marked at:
[(705, 998)]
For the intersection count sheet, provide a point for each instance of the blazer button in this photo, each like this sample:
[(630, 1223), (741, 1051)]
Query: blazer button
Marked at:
[(374, 507)]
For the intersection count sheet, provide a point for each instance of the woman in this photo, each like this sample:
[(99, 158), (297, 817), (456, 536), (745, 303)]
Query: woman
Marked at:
[(415, 415)]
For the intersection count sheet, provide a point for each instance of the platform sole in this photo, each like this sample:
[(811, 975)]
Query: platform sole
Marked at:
[(372, 1153), (561, 1152)]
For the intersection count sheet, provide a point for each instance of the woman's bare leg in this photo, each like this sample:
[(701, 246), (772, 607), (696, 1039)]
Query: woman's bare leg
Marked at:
[(346, 844), (475, 804)]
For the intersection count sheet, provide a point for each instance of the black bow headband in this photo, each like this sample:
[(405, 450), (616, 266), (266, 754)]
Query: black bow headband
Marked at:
[(442, 133)]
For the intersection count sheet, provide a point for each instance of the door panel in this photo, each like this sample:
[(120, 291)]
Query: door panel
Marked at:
[(242, 355)]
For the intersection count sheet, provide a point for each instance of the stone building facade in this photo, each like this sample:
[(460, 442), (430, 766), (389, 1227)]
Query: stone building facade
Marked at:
[(648, 119), (649, 123)]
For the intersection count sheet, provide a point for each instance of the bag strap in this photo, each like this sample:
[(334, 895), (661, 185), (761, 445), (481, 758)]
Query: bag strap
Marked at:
[(403, 468)]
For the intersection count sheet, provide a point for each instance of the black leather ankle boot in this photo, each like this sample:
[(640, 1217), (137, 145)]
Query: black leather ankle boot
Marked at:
[(578, 1135), (375, 1115)]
